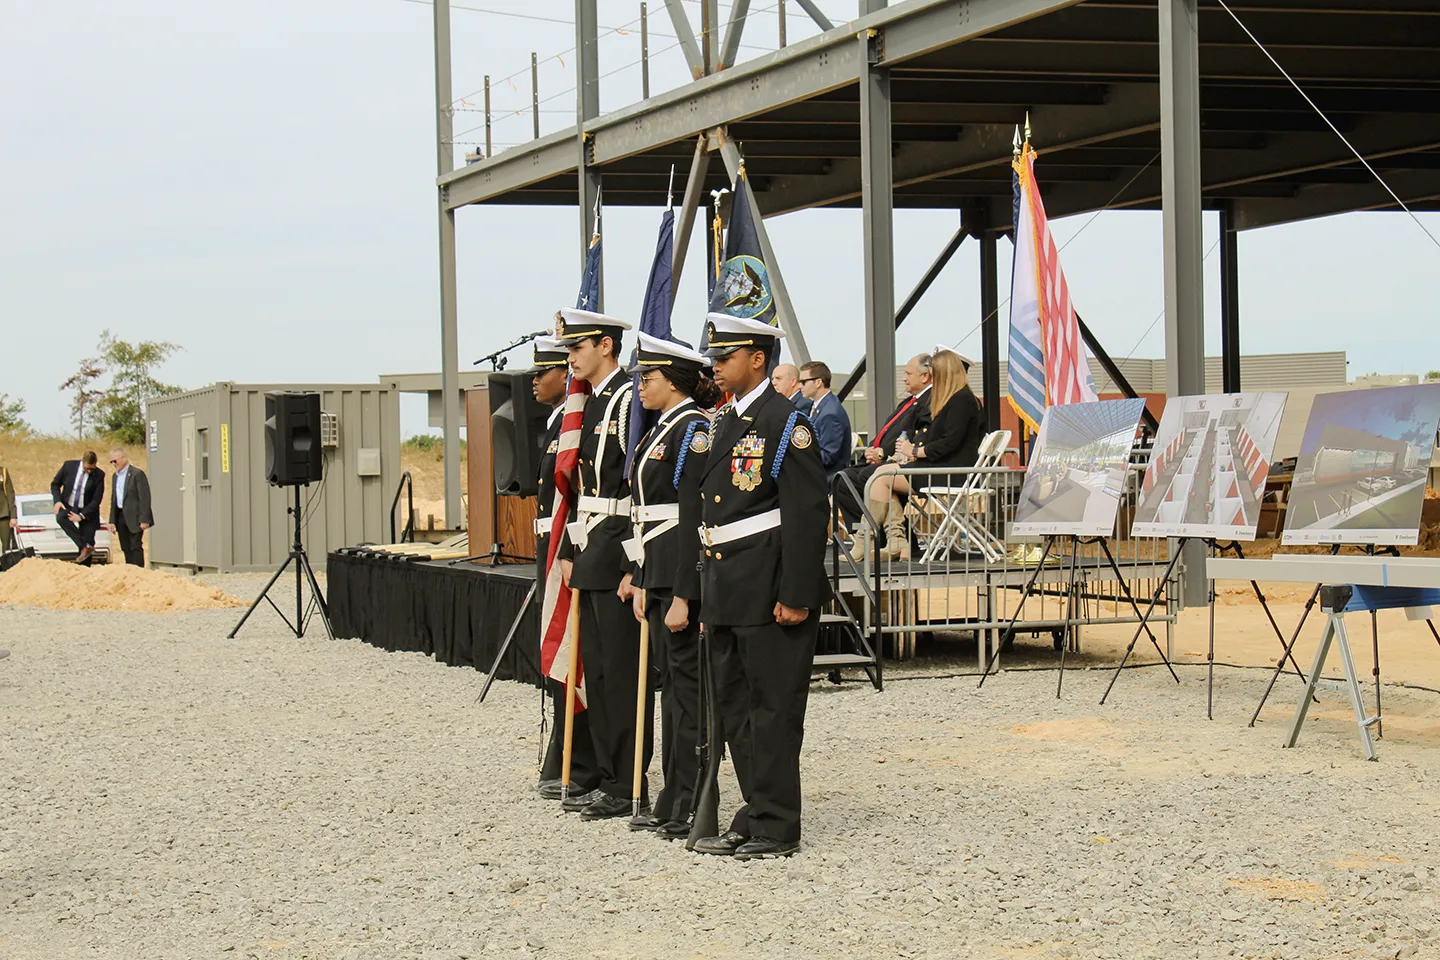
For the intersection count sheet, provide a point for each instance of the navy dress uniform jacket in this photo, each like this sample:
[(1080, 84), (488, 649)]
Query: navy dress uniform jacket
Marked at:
[(667, 469), (744, 579), (602, 564)]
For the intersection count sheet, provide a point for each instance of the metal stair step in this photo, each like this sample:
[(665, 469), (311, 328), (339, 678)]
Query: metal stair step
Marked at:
[(842, 659), (834, 618)]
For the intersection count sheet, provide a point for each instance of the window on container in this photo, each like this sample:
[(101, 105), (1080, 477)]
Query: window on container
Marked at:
[(202, 439)]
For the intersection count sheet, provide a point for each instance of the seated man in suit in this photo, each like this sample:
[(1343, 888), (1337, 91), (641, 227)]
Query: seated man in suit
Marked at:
[(130, 514), (77, 490), (786, 381), (827, 414)]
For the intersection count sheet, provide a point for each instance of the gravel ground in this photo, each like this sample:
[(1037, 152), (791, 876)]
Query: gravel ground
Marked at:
[(165, 792)]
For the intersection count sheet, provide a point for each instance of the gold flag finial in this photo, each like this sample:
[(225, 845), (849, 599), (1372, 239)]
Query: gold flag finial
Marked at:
[(1027, 128), (1017, 139)]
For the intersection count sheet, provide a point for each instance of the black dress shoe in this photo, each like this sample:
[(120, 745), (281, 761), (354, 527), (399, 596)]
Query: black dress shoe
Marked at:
[(606, 808), (647, 821), (575, 804), (763, 848), (673, 830), (551, 789), (724, 845)]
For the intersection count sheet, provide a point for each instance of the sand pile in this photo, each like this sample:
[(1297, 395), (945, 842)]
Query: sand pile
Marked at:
[(65, 586)]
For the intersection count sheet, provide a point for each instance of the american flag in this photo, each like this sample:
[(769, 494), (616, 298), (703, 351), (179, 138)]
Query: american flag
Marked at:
[(1047, 355), (555, 610)]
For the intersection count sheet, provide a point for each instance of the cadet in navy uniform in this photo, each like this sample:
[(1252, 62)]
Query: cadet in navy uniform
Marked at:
[(595, 563), (665, 485), (763, 583), (548, 384)]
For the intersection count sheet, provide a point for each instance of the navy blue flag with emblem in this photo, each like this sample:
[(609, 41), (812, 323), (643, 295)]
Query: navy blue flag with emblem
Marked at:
[(743, 287), (654, 320), (589, 296)]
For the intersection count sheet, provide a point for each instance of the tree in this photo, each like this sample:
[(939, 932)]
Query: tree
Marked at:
[(119, 413), (12, 415), (86, 395), (1433, 375)]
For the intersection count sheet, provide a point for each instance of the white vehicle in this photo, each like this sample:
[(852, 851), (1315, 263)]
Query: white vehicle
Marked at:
[(38, 527)]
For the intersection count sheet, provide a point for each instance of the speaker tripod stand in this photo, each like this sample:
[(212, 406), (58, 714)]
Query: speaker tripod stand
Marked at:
[(304, 574)]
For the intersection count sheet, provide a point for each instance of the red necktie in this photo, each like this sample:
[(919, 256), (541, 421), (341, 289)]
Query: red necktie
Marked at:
[(888, 423)]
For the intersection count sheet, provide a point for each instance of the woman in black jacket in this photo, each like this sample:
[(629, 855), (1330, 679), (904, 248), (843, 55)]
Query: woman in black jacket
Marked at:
[(665, 485), (953, 440)]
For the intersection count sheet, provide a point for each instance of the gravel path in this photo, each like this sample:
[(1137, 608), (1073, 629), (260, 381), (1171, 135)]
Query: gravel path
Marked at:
[(167, 793)]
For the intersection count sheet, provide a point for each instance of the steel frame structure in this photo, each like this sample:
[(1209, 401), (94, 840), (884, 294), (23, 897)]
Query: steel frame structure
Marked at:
[(1139, 104)]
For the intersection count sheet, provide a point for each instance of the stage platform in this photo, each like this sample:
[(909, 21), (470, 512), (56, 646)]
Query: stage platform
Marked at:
[(457, 613)]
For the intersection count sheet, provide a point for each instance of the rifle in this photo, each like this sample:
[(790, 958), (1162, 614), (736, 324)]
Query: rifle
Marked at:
[(705, 815)]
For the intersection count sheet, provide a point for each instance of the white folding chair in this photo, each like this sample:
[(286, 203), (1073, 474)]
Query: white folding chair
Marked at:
[(966, 506)]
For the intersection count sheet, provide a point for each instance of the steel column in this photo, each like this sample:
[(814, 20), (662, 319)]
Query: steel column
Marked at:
[(449, 314), (784, 309), (821, 21), (1180, 200), (680, 20), (878, 215), (587, 107), (733, 32), (990, 325), (689, 207), (1229, 298)]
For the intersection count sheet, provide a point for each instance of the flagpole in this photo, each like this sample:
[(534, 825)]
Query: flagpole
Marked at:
[(595, 230), (570, 673), (638, 777), (670, 190)]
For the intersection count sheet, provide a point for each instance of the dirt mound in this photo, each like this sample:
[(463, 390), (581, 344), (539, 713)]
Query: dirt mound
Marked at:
[(64, 586)]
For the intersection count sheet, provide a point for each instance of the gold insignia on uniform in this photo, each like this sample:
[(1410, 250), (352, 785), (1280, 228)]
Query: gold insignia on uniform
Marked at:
[(800, 437), (750, 445), (700, 442)]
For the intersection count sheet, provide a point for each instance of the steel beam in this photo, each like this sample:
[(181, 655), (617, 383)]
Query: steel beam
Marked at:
[(1182, 229), (449, 313), (681, 21), (989, 313), (734, 30), (913, 300), (689, 206), (821, 21), (587, 107), (784, 309), (878, 218), (1229, 299), (1130, 110), (1420, 189)]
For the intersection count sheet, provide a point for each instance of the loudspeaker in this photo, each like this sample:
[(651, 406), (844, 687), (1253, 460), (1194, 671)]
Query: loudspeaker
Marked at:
[(517, 433), (292, 438)]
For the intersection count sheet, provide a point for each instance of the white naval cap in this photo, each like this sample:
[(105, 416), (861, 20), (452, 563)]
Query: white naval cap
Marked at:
[(941, 348), (549, 353), (654, 352), (578, 324), (725, 334)]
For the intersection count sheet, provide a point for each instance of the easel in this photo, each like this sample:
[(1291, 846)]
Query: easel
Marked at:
[(1264, 604), (509, 638), (1072, 595)]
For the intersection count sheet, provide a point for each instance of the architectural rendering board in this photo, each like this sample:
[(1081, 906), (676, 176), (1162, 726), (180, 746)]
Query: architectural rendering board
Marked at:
[(1207, 475), (1077, 474), (1360, 475)]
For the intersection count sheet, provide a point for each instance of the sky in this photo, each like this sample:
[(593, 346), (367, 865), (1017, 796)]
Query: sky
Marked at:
[(255, 182)]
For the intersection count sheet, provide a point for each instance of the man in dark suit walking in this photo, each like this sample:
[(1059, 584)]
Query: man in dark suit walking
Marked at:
[(77, 490), (130, 513)]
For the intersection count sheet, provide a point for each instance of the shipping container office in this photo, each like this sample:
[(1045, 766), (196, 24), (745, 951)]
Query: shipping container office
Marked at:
[(213, 508)]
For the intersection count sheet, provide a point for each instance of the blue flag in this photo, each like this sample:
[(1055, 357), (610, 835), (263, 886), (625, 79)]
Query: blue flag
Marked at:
[(654, 320), (743, 287), (589, 296)]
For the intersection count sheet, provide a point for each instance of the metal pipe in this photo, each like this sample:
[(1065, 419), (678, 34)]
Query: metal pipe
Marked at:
[(535, 93), (488, 150), (644, 52), (1229, 299), (782, 24)]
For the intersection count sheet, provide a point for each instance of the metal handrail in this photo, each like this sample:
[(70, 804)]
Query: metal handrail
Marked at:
[(407, 484)]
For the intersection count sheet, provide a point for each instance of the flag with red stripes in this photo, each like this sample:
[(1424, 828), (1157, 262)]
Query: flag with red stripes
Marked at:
[(555, 612)]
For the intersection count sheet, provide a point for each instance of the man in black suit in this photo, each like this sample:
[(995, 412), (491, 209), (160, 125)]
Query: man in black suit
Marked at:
[(130, 513), (910, 420), (77, 490)]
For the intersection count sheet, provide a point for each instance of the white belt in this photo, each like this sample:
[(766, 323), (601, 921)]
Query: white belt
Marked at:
[(542, 526), (641, 514), (739, 529), (590, 513)]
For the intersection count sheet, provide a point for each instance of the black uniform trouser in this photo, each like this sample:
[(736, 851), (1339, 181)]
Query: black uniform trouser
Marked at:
[(610, 647), (848, 503), (762, 678), (676, 658), (82, 533), (584, 772), (131, 544)]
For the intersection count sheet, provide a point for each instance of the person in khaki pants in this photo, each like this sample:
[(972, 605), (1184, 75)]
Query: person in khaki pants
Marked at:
[(8, 514)]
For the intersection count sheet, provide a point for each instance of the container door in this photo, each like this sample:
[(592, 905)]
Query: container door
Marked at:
[(189, 485)]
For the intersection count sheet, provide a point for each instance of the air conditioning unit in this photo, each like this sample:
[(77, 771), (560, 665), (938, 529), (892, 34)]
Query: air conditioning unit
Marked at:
[(329, 430)]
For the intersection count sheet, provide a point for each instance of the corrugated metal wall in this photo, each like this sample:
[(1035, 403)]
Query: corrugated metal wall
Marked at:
[(242, 521)]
